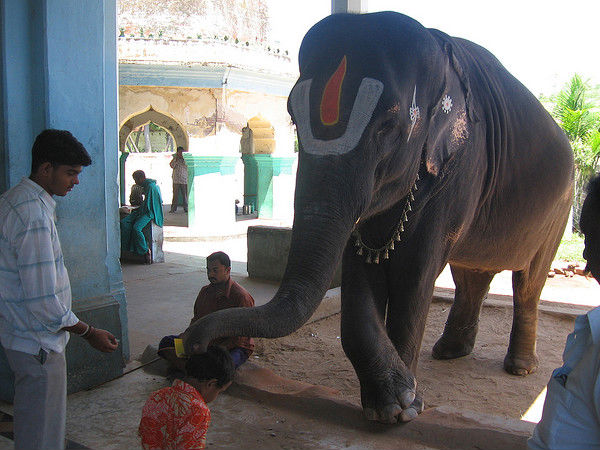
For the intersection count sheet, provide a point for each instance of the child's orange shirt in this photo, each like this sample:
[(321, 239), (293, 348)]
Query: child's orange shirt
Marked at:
[(175, 417)]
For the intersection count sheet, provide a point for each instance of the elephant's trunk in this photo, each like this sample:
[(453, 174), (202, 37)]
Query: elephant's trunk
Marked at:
[(321, 230)]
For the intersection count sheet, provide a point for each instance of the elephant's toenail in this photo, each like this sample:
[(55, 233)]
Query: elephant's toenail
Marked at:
[(407, 398), (408, 415)]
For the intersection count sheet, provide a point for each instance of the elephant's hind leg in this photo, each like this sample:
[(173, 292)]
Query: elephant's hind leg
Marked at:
[(462, 324), (521, 358)]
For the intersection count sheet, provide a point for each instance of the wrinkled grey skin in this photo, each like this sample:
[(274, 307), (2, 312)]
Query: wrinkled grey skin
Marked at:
[(493, 193)]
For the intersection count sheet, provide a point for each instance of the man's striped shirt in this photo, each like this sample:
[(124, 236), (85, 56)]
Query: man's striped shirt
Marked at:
[(35, 293)]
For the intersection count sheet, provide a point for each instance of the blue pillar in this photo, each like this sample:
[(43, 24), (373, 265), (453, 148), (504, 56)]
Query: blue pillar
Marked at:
[(58, 69), (261, 172), (258, 184)]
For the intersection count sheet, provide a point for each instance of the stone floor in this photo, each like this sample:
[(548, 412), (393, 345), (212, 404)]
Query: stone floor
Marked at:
[(261, 410)]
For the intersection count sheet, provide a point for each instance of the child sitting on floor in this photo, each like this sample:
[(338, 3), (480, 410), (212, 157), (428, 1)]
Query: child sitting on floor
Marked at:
[(178, 417)]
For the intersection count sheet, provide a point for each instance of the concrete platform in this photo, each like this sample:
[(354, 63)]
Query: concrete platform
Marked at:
[(261, 410)]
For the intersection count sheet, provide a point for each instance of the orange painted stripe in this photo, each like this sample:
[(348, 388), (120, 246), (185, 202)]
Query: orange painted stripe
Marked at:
[(330, 102)]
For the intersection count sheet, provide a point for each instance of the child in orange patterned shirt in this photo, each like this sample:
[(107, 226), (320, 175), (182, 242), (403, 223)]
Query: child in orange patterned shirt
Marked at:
[(178, 417)]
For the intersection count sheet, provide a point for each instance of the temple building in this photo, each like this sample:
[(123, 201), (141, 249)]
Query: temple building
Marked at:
[(210, 76)]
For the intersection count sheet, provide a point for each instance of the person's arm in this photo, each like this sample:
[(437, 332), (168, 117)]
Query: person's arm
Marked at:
[(173, 161), (196, 308), (39, 279), (596, 392), (153, 415), (247, 301), (99, 339), (41, 284), (241, 299)]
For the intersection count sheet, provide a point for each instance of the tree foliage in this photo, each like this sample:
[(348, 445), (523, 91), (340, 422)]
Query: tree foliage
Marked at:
[(579, 117), (156, 139)]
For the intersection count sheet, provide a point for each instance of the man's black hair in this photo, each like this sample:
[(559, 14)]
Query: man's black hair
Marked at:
[(139, 173), (588, 224), (58, 147), (591, 203), (216, 363), (222, 257), (181, 148), (593, 189)]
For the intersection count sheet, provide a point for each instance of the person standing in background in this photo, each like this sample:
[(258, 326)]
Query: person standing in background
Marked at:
[(571, 414), (179, 180)]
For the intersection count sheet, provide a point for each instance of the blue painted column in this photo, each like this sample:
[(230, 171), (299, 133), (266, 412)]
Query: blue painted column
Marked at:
[(264, 183), (58, 69), (258, 183)]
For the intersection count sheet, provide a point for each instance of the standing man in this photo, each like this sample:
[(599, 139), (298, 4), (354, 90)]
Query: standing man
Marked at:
[(571, 415), (221, 293), (35, 297), (132, 237), (179, 180)]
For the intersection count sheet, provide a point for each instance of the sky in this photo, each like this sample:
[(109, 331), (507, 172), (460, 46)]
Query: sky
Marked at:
[(542, 43)]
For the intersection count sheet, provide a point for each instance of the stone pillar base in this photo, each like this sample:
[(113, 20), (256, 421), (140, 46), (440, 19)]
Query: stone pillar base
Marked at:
[(86, 367)]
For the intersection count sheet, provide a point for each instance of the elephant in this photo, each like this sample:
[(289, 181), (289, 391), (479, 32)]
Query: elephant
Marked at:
[(416, 150)]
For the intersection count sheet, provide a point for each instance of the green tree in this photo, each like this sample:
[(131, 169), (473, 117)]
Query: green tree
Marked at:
[(580, 119)]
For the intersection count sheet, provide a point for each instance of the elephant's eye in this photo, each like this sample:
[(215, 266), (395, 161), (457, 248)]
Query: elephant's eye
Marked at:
[(366, 100)]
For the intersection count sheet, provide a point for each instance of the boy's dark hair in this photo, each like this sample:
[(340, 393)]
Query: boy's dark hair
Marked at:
[(180, 148), (58, 147), (215, 363), (222, 257)]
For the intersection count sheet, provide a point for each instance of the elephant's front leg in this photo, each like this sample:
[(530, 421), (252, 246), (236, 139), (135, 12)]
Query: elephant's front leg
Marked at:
[(388, 388)]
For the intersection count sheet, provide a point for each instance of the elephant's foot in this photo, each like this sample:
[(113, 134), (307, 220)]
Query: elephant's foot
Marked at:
[(392, 400), (450, 346), (520, 365)]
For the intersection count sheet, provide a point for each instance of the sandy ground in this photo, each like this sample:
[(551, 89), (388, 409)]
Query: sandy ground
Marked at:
[(476, 382)]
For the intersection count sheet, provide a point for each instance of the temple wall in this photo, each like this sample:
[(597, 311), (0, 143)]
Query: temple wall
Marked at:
[(195, 109)]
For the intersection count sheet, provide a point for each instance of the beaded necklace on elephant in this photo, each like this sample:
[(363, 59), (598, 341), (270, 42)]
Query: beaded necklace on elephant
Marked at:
[(373, 254)]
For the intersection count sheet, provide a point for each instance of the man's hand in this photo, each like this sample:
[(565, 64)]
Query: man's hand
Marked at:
[(102, 340)]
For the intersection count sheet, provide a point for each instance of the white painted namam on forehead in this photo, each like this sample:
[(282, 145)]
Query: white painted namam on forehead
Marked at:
[(368, 95)]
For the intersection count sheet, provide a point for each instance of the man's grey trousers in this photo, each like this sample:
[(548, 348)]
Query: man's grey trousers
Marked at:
[(40, 404)]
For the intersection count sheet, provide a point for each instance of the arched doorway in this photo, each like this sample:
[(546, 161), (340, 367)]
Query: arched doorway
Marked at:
[(156, 162), (151, 115)]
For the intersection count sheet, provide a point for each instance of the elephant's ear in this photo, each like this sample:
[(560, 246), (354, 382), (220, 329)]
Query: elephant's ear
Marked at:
[(452, 115)]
